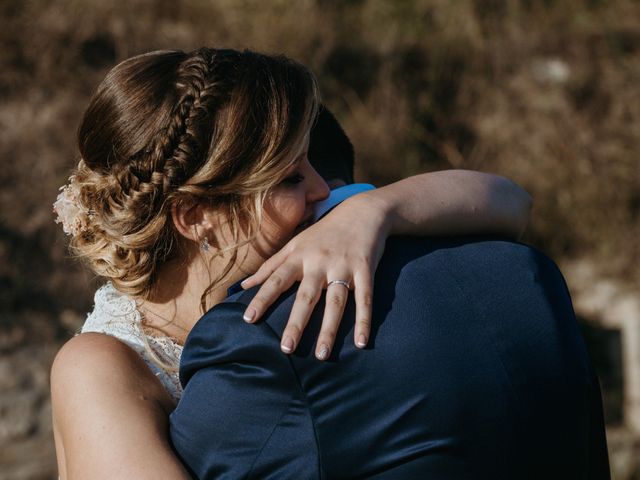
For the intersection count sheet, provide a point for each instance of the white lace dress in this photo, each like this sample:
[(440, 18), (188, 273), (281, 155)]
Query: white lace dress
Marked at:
[(117, 315)]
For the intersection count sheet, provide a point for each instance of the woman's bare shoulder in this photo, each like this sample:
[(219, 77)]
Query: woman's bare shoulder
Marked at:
[(110, 413), (99, 366), (93, 347)]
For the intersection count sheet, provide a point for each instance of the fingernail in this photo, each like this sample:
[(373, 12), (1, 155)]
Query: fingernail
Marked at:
[(362, 341), (287, 345), (249, 315), (323, 353), (243, 282)]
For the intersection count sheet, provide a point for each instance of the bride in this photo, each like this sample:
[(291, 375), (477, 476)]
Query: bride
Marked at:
[(194, 175)]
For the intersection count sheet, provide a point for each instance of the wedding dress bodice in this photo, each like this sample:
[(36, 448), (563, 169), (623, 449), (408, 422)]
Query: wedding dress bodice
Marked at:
[(117, 315)]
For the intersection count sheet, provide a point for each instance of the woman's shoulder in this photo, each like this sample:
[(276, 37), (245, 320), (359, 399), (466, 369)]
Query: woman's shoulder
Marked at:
[(97, 363), (95, 375), (95, 349), (117, 315), (107, 408)]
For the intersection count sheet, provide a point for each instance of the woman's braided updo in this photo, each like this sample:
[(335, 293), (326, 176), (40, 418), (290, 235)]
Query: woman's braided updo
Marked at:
[(216, 126)]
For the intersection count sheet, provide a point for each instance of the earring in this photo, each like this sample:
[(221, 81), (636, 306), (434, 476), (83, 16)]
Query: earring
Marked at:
[(205, 244)]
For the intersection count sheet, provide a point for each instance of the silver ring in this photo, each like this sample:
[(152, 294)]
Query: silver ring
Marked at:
[(338, 282)]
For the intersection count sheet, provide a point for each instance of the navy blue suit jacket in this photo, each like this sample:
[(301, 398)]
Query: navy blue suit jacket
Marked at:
[(475, 369)]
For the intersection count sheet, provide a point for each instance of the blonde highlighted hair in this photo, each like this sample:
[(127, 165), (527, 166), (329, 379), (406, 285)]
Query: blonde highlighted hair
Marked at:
[(215, 126)]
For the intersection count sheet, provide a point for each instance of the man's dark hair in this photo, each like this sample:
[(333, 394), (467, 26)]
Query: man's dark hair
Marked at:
[(330, 150)]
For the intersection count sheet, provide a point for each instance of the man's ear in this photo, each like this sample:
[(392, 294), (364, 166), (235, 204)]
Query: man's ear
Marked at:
[(194, 221)]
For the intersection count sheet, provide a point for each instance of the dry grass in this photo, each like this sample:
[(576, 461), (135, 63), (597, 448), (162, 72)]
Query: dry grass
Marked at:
[(545, 92)]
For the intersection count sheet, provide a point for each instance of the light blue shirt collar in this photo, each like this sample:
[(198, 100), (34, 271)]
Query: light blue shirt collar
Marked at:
[(337, 196)]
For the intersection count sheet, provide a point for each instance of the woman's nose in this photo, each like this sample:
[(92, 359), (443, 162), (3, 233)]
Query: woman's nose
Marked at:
[(318, 190)]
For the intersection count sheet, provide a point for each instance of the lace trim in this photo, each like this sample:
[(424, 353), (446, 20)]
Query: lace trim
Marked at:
[(117, 315)]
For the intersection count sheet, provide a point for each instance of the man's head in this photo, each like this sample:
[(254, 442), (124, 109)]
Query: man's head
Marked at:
[(330, 151)]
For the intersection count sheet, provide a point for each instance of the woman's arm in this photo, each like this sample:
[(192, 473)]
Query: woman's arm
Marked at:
[(110, 413), (347, 244), (451, 202)]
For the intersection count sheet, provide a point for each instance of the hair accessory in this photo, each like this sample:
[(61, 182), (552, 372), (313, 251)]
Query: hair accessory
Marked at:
[(70, 212), (205, 244), (344, 283)]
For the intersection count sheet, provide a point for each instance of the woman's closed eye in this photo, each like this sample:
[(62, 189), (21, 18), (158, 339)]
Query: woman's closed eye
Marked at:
[(294, 179)]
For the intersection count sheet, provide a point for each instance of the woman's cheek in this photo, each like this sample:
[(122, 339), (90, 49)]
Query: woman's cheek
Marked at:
[(280, 221)]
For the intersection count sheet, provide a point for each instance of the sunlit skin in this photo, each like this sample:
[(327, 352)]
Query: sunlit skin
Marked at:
[(175, 306), (107, 404), (289, 207), (347, 245), (110, 410)]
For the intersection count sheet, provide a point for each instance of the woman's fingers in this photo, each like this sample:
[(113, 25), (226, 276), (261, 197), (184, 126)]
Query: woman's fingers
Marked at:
[(337, 293), (336, 299), (364, 296), (278, 282), (306, 298), (309, 258), (265, 270)]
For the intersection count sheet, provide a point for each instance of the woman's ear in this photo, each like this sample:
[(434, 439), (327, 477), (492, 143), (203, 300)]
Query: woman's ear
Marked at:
[(194, 221)]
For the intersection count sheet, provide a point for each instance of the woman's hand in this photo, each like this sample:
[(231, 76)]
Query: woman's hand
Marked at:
[(348, 243), (346, 246)]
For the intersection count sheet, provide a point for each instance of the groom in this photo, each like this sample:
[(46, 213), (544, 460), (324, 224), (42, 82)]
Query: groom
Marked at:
[(475, 369)]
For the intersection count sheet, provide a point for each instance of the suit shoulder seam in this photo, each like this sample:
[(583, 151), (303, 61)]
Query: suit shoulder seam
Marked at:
[(294, 372)]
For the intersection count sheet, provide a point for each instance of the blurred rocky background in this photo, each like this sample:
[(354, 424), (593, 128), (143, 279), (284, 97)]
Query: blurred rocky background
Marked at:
[(546, 92)]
